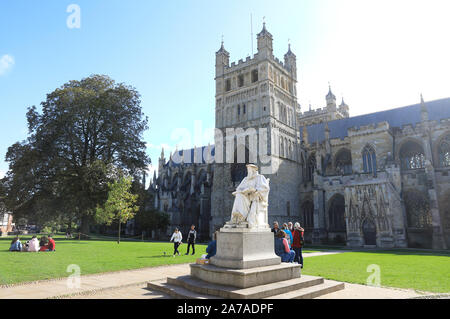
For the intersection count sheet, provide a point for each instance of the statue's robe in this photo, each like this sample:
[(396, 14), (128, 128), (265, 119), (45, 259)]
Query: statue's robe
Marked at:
[(251, 208)]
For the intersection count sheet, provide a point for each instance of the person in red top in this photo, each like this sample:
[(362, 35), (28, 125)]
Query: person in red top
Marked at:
[(51, 244), (297, 243)]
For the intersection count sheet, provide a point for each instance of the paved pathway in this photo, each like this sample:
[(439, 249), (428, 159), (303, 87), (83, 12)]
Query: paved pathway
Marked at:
[(323, 253), (351, 291), (91, 283), (131, 284)]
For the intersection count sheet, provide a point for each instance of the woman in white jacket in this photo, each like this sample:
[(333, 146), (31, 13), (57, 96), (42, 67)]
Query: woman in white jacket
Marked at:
[(33, 244), (176, 238)]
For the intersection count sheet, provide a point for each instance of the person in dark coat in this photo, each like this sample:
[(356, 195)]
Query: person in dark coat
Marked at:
[(212, 247), (192, 236), (276, 228), (297, 245)]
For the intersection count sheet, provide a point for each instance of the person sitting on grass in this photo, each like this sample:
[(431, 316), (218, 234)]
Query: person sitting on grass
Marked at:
[(282, 248), (16, 245), (212, 247), (51, 244), (43, 243), (33, 245)]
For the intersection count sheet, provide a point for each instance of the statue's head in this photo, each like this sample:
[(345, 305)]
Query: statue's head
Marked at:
[(252, 170)]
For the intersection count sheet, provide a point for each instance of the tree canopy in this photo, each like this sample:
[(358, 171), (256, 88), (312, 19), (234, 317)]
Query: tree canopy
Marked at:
[(86, 131), (120, 205)]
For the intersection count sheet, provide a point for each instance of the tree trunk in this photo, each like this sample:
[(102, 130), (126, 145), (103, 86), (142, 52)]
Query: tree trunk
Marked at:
[(69, 226), (118, 240), (85, 225)]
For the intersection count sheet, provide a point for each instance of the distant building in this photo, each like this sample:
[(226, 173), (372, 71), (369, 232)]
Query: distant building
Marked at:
[(380, 179), (6, 224), (183, 190)]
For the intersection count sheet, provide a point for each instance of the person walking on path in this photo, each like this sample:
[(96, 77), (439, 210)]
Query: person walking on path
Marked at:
[(298, 243), (191, 240), (176, 238)]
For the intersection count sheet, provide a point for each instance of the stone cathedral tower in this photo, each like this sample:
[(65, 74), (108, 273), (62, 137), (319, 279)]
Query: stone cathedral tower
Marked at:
[(257, 95)]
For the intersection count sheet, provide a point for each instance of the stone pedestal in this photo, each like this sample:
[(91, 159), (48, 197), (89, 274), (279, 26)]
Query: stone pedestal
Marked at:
[(245, 267), (245, 248), (246, 278)]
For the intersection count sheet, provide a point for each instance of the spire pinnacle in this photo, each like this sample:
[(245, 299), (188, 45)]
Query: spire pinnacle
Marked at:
[(422, 104), (330, 94)]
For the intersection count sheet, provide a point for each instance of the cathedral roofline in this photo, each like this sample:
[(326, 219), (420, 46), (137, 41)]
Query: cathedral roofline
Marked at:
[(396, 117)]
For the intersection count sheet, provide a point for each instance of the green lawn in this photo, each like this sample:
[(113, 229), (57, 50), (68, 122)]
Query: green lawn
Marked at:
[(420, 270), (93, 256), (423, 271)]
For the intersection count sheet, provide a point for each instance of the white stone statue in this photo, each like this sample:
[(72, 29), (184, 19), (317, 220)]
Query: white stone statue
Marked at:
[(252, 200)]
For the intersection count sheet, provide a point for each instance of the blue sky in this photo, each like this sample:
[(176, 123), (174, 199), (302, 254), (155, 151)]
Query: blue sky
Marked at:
[(378, 54)]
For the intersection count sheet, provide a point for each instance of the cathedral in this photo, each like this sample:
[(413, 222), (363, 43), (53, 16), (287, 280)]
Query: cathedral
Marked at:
[(375, 180)]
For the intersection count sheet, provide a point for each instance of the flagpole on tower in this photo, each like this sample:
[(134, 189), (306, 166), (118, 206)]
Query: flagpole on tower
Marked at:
[(251, 30)]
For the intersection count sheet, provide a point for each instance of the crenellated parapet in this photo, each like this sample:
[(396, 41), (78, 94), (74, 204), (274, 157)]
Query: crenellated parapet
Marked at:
[(368, 129)]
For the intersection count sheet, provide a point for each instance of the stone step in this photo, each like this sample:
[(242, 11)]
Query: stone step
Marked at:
[(258, 292), (328, 286), (176, 292), (246, 278)]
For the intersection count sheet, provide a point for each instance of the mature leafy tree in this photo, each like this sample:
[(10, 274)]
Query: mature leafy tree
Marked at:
[(87, 129), (148, 218), (151, 219), (120, 205)]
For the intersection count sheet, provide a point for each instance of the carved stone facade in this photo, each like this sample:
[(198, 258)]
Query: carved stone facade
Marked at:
[(380, 179), (391, 168), (183, 190)]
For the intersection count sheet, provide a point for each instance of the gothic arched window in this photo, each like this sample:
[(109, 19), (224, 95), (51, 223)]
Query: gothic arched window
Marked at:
[(254, 76), (186, 184), (412, 156), (311, 167), (336, 213), (227, 85), (417, 209), (444, 207), (343, 162), (239, 170), (444, 152), (369, 160), (308, 214), (241, 80)]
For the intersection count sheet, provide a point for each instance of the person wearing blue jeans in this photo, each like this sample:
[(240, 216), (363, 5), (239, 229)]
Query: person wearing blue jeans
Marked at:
[(16, 245), (282, 248)]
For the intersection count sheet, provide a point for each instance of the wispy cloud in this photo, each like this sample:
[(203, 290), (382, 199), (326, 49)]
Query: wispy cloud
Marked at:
[(6, 63), (2, 173)]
